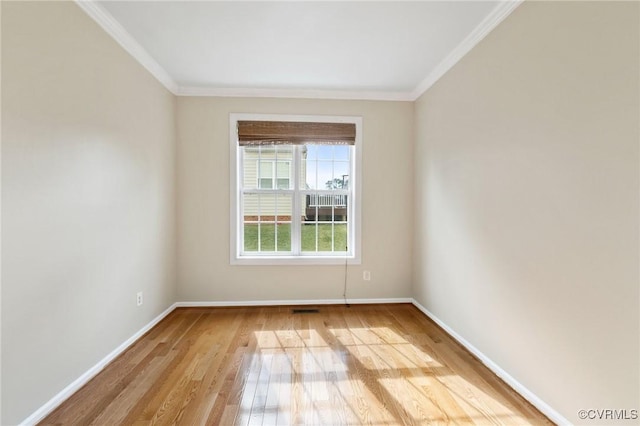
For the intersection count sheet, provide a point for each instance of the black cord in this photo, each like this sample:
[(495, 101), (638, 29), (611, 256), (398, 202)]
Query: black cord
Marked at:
[(346, 262)]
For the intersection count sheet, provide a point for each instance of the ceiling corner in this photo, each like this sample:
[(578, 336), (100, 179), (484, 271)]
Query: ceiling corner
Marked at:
[(128, 43), (497, 15)]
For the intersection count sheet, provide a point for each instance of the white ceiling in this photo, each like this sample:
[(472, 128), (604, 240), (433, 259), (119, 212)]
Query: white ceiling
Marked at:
[(332, 49)]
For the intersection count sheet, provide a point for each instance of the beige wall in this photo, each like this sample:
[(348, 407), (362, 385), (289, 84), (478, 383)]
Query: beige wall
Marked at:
[(527, 201), (519, 200), (87, 200), (204, 272)]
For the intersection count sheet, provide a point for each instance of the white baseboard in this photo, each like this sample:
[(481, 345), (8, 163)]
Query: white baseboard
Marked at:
[(65, 393), (545, 408), (291, 302)]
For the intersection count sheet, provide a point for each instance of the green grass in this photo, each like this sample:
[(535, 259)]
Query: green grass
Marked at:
[(268, 240), (324, 237), (267, 237)]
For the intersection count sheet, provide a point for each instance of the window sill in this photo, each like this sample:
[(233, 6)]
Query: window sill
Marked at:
[(295, 260)]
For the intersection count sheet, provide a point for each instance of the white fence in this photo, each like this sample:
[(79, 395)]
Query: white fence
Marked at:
[(326, 200)]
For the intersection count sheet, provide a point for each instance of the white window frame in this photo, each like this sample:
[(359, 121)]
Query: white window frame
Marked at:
[(353, 256)]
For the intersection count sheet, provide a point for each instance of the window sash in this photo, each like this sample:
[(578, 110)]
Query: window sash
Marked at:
[(298, 194)]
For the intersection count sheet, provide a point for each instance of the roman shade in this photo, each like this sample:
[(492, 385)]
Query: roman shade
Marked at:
[(295, 133)]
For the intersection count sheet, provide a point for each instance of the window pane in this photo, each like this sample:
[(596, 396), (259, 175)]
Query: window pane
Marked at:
[(341, 175), (283, 169), (281, 207), (340, 207), (250, 167), (284, 237), (340, 237), (265, 169), (308, 173), (308, 237), (251, 231), (267, 236), (251, 207), (341, 152), (283, 166), (283, 176), (325, 175), (310, 151), (325, 237), (325, 152), (265, 174), (251, 218), (283, 183), (266, 183)]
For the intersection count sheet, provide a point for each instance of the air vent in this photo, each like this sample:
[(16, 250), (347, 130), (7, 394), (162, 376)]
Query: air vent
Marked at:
[(305, 311)]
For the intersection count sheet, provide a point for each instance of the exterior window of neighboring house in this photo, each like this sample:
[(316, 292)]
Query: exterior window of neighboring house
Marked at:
[(274, 174), (295, 185)]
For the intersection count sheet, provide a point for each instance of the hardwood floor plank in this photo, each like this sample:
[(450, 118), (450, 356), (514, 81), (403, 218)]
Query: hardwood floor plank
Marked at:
[(219, 399), (178, 359), (367, 364), (213, 373)]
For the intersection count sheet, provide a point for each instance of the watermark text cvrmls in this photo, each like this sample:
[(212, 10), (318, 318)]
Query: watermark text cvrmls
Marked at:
[(608, 414)]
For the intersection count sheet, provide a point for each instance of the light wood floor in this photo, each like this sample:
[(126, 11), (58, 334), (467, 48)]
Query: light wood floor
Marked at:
[(372, 364)]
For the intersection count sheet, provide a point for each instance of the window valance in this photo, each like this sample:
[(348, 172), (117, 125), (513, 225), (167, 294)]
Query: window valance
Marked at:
[(295, 133)]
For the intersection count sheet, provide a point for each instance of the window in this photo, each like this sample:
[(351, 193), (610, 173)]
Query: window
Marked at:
[(295, 196), (274, 174)]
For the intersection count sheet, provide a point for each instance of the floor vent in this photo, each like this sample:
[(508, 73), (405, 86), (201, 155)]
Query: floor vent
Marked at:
[(305, 311)]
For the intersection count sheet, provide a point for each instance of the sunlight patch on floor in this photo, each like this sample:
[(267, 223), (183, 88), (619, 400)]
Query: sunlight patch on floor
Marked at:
[(300, 375)]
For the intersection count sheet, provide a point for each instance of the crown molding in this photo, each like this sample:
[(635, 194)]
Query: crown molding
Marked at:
[(295, 93), (497, 15), (128, 43)]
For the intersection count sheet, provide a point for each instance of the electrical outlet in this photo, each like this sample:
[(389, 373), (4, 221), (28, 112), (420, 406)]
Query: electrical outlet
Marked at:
[(139, 298), (366, 275)]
